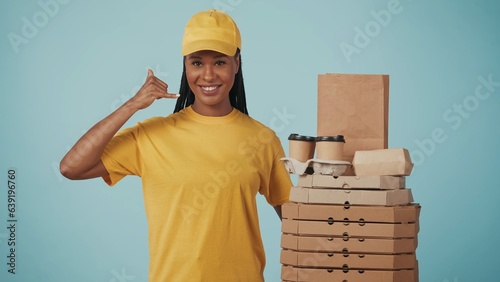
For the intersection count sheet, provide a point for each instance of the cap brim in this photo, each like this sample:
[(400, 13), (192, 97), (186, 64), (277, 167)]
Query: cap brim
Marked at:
[(212, 45)]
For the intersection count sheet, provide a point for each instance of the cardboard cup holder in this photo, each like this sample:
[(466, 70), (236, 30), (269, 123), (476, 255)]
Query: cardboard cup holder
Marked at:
[(324, 167)]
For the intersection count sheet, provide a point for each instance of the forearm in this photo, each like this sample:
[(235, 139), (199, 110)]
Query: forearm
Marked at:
[(83, 161), (87, 151)]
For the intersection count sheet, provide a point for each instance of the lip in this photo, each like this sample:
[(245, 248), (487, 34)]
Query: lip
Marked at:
[(209, 89)]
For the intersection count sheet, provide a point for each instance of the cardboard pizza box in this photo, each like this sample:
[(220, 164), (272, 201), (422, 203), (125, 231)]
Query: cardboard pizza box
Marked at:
[(348, 245), (341, 213), (395, 161), (351, 261), (351, 197), (347, 230), (296, 274), (352, 182)]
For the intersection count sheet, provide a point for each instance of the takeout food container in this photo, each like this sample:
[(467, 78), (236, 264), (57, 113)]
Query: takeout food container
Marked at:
[(395, 161), (349, 260), (315, 243), (295, 274), (341, 213), (352, 182), (351, 196)]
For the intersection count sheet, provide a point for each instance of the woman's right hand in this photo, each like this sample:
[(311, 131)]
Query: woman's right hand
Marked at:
[(152, 89), (83, 160)]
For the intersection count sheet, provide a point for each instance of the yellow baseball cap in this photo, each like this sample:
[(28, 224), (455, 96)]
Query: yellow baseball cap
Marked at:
[(211, 30)]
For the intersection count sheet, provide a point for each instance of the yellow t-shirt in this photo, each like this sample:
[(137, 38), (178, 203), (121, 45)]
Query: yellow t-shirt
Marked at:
[(200, 176)]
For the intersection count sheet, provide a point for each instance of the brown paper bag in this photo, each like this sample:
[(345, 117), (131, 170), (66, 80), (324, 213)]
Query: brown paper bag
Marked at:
[(356, 106)]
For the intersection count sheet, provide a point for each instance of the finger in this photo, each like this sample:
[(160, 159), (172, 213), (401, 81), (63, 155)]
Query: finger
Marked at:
[(162, 93), (160, 87), (167, 96), (160, 83), (150, 73), (172, 95)]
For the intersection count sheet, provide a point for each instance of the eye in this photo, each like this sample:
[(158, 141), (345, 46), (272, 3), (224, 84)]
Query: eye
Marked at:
[(196, 63), (220, 63)]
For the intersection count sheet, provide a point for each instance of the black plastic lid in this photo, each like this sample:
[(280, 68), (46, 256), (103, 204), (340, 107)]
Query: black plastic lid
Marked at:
[(298, 137), (337, 138)]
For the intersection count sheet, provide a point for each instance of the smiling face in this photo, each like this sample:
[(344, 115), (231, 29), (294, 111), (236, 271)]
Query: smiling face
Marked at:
[(210, 76)]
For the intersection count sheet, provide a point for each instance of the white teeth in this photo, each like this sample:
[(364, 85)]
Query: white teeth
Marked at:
[(209, 88)]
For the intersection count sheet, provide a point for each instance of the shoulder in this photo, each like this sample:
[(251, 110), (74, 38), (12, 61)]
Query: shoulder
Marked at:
[(162, 120), (263, 132), (250, 121)]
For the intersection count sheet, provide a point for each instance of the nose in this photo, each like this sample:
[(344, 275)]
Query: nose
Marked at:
[(208, 73)]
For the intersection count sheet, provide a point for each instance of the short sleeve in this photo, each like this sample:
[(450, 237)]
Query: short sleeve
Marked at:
[(277, 192), (122, 156)]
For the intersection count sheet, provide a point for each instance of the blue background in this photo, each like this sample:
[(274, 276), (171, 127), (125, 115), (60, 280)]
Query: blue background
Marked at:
[(83, 59)]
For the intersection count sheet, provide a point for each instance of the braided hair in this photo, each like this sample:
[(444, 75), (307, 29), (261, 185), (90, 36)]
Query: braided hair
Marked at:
[(236, 94)]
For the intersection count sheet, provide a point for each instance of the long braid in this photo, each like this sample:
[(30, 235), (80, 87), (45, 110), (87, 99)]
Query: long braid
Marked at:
[(240, 103), (184, 92)]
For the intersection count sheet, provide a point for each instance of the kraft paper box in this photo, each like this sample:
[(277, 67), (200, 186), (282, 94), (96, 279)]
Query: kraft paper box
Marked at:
[(355, 230), (351, 197), (348, 245), (296, 274), (356, 106), (352, 182), (341, 213), (352, 261), (395, 161)]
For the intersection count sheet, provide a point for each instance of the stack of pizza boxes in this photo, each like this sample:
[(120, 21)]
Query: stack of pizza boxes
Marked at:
[(352, 218)]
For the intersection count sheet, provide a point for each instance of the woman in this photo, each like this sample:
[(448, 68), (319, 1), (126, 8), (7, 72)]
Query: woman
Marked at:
[(201, 167)]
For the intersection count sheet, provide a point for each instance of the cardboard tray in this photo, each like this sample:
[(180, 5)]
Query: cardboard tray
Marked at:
[(326, 167), (296, 274), (351, 197), (350, 261), (341, 213), (348, 245), (352, 182), (348, 230)]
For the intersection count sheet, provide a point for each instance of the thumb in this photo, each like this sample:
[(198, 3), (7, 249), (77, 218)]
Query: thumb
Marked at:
[(150, 73)]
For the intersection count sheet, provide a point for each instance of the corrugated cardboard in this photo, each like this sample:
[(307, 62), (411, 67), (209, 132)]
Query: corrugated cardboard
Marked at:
[(348, 230), (351, 197), (356, 106), (295, 274), (348, 245), (352, 182), (340, 213), (382, 162), (352, 261)]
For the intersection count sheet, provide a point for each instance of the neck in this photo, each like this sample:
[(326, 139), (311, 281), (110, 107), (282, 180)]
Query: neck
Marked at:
[(213, 111)]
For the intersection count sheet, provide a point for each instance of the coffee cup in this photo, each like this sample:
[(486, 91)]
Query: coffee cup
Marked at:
[(301, 147), (330, 147)]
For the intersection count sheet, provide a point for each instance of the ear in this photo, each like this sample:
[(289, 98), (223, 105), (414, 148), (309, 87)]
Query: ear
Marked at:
[(237, 60)]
